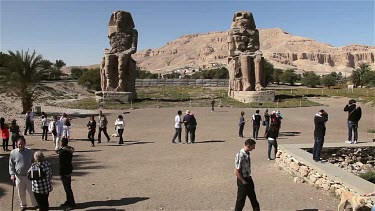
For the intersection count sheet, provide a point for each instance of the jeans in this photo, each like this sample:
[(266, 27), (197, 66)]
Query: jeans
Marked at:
[(177, 134), (246, 191), (91, 135), (29, 127), (104, 129), (352, 126), (255, 131), (42, 200), (5, 144), (190, 130), (67, 183), (267, 126), (120, 132), (240, 132), (318, 145), (45, 133), (270, 144)]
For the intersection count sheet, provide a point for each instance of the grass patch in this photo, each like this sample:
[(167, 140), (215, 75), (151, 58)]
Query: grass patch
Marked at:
[(369, 176), (371, 130)]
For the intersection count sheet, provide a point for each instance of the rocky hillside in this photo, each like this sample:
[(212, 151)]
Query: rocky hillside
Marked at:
[(279, 47)]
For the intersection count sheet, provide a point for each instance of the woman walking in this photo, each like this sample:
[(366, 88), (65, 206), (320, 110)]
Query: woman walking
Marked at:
[(4, 129), (271, 136), (242, 125), (44, 126), (15, 130), (120, 125), (91, 125), (40, 174)]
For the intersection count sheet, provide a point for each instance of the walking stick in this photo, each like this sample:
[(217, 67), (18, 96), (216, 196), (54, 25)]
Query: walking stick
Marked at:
[(14, 183)]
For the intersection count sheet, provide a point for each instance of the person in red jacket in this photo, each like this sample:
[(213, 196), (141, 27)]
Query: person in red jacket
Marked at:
[(4, 129)]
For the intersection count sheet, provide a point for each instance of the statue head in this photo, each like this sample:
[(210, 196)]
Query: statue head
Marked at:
[(120, 21), (243, 19)]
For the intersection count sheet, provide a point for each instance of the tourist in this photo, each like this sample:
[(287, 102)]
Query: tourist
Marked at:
[(55, 128), (44, 126), (91, 125), (177, 126), (354, 115), (41, 182), (65, 172), (245, 183), (212, 104), (271, 136), (103, 122), (320, 120), (29, 122), (190, 127), (256, 118), (4, 129), (120, 126), (266, 116), (20, 161), (242, 125), (15, 130), (276, 120), (65, 120)]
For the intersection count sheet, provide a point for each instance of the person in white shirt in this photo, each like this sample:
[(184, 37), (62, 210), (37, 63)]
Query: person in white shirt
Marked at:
[(55, 127), (120, 125), (177, 126), (44, 126)]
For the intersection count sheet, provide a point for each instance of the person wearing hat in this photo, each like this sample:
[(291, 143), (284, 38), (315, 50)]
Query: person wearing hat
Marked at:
[(15, 130), (320, 120), (190, 126)]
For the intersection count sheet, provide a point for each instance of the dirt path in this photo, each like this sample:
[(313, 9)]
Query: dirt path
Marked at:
[(150, 173)]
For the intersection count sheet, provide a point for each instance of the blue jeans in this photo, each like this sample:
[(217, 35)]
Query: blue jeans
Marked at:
[(318, 145), (270, 144), (352, 126), (255, 131)]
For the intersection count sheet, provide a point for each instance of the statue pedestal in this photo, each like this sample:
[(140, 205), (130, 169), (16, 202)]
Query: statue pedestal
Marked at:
[(112, 96), (253, 96)]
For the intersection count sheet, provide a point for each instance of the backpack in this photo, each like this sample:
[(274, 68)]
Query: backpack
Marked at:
[(36, 173), (67, 123)]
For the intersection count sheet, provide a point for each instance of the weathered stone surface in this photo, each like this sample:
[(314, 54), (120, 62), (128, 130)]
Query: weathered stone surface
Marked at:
[(254, 96), (304, 171), (298, 180), (117, 69), (313, 179), (294, 166)]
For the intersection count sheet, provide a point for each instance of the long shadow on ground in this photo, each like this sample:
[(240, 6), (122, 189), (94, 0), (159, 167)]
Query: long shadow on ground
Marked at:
[(209, 141), (109, 203), (289, 133)]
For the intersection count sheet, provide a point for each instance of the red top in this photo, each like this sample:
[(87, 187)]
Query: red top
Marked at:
[(5, 133)]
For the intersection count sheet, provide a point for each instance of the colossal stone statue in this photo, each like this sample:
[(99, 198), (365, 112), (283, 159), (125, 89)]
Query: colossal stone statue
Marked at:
[(245, 59), (118, 68)]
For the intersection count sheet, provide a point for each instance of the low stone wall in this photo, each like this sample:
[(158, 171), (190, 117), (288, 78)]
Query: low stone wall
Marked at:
[(303, 173)]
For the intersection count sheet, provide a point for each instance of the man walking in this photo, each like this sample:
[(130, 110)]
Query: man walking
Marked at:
[(55, 127), (103, 122), (212, 104), (65, 172), (320, 120), (20, 161), (177, 126), (354, 115), (190, 126), (245, 183), (256, 118)]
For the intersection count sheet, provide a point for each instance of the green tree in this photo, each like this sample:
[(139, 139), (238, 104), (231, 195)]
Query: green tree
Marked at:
[(77, 72), (219, 73), (91, 79), (145, 74), (268, 70), (328, 81), (368, 78), (357, 74), (21, 75), (289, 76), (47, 69), (276, 76), (310, 79)]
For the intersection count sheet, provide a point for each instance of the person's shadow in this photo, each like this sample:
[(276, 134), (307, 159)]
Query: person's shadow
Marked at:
[(108, 203)]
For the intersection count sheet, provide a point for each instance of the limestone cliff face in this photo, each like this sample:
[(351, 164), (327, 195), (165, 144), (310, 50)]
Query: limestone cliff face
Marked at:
[(279, 47)]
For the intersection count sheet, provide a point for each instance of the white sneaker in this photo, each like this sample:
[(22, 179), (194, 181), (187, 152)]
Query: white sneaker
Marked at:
[(355, 142), (349, 142)]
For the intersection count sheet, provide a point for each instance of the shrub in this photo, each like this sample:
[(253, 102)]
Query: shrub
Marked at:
[(91, 79), (369, 176)]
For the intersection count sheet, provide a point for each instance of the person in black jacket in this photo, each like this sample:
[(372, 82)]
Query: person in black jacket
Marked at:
[(320, 120), (354, 115), (65, 171), (91, 125)]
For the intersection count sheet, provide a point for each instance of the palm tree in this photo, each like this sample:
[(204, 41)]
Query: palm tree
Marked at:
[(21, 76)]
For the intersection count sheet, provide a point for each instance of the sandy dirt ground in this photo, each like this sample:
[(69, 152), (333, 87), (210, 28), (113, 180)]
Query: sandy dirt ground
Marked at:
[(148, 172)]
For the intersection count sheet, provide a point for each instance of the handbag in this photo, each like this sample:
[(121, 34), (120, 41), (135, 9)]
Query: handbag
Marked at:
[(36, 173)]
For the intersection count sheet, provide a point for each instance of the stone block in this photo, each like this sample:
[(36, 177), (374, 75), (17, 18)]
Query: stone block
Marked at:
[(253, 96), (294, 166), (298, 180)]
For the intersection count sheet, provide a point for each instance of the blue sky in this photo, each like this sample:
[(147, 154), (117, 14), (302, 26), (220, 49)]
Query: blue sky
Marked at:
[(76, 31)]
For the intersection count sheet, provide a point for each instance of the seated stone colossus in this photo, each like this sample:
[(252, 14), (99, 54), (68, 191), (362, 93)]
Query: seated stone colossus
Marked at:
[(244, 57), (118, 68)]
